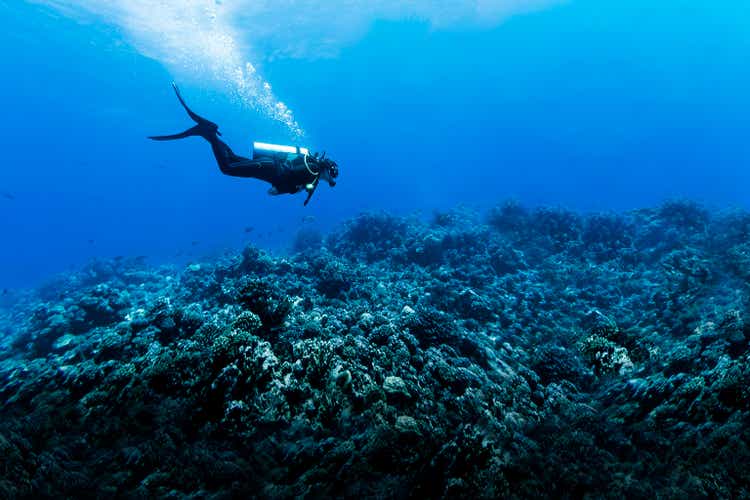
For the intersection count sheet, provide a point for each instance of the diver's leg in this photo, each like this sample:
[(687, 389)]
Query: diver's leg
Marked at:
[(229, 163), (239, 166)]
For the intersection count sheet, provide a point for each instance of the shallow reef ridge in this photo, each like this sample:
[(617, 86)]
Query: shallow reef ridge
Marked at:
[(521, 353)]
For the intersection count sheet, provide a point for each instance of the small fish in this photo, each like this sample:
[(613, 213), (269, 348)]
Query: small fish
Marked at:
[(249, 229), (195, 242), (91, 242), (5, 291), (8, 196), (308, 219)]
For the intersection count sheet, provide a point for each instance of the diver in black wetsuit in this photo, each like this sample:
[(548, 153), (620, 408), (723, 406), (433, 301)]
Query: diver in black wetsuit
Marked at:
[(288, 169)]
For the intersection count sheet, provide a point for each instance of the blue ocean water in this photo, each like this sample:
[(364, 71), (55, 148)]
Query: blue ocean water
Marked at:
[(586, 104)]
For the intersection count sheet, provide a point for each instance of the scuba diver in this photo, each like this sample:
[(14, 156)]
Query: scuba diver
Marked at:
[(289, 169)]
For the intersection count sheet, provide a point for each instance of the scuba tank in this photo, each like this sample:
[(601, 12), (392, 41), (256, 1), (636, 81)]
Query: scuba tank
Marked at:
[(283, 153)]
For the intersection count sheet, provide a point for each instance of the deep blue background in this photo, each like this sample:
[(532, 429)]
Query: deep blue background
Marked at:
[(590, 105)]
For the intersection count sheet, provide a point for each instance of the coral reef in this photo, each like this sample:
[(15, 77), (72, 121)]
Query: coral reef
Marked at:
[(529, 353)]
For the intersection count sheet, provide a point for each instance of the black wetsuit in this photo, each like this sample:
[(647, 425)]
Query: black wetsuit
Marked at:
[(287, 176)]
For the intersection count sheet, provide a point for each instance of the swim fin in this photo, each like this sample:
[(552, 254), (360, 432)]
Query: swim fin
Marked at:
[(204, 128), (188, 133)]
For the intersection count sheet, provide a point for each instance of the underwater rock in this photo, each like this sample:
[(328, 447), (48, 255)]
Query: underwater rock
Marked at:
[(554, 363), (531, 353), (263, 300), (407, 426), (395, 388), (332, 277), (431, 327), (605, 356)]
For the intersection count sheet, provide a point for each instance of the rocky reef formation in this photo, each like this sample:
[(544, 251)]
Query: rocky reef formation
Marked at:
[(523, 353)]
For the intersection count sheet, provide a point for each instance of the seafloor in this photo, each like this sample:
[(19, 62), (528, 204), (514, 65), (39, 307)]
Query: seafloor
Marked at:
[(516, 354)]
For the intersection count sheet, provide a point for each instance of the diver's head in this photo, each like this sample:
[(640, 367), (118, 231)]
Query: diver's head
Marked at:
[(329, 169)]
